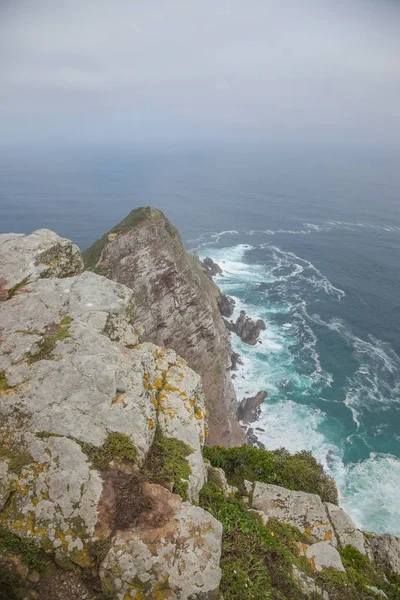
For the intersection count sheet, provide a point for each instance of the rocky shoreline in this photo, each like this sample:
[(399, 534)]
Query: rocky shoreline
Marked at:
[(111, 486)]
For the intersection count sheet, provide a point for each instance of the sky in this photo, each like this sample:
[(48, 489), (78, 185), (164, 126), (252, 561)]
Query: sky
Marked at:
[(150, 71)]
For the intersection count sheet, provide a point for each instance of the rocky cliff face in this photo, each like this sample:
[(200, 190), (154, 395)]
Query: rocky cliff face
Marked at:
[(83, 406), (107, 491), (176, 306)]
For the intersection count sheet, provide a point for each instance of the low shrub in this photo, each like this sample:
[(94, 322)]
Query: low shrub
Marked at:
[(294, 471)]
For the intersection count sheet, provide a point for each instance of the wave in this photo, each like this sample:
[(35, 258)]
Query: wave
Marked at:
[(370, 492), (304, 228), (299, 412)]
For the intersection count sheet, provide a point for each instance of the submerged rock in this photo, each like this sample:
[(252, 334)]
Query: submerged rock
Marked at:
[(246, 328), (249, 408), (176, 305)]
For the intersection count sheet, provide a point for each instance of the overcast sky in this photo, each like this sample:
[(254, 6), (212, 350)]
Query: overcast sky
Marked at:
[(160, 70)]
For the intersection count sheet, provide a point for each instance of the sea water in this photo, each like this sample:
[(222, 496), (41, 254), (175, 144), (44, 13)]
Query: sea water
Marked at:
[(308, 240)]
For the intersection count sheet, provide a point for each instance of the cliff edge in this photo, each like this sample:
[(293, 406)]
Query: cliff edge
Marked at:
[(176, 306), (107, 491)]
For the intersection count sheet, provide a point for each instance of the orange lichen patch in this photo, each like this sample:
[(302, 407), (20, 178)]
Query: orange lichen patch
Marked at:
[(146, 376), (302, 548), (158, 384), (119, 399), (328, 535), (170, 388), (150, 423), (82, 558)]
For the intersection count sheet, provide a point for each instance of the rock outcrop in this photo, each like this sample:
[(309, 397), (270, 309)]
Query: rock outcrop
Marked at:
[(82, 405), (346, 531), (246, 328), (41, 254), (176, 306), (211, 268), (104, 491), (175, 547), (386, 551), (305, 511), (249, 408), (226, 305)]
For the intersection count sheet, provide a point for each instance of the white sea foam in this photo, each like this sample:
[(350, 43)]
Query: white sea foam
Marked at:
[(305, 228), (370, 492), (287, 365)]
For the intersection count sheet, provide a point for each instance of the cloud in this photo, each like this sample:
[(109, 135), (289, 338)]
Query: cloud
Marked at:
[(131, 70)]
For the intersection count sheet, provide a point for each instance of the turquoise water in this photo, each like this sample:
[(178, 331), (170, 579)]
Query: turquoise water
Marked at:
[(329, 391), (309, 239)]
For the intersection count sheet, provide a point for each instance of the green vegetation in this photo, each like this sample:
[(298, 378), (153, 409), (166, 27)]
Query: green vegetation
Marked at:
[(26, 549), (100, 549), (14, 289), (118, 446), (10, 583), (18, 460), (256, 560), (136, 218), (297, 472), (167, 463), (55, 333), (3, 382)]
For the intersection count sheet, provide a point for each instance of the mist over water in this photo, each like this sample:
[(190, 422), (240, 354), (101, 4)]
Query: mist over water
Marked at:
[(309, 240)]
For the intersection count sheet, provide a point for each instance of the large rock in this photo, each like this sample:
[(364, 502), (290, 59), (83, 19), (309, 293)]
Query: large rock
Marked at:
[(41, 254), (305, 511), (249, 408), (307, 584), (386, 551), (211, 268), (226, 305), (176, 547), (176, 306), (246, 328), (323, 556), (73, 371), (346, 531)]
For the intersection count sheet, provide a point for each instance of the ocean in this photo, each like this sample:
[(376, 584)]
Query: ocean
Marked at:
[(309, 240)]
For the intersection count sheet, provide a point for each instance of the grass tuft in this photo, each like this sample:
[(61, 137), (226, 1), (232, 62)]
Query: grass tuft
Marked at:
[(55, 333), (167, 463), (14, 289), (118, 446), (26, 549)]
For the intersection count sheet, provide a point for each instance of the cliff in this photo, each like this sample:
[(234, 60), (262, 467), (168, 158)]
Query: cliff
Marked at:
[(176, 306), (107, 491)]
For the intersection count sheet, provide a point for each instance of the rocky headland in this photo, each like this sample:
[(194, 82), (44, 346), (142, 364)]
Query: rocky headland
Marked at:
[(108, 490), (177, 306)]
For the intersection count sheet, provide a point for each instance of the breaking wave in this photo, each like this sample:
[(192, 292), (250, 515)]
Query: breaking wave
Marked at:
[(311, 405)]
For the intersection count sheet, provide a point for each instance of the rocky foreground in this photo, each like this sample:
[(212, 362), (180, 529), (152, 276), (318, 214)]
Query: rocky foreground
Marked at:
[(107, 490)]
